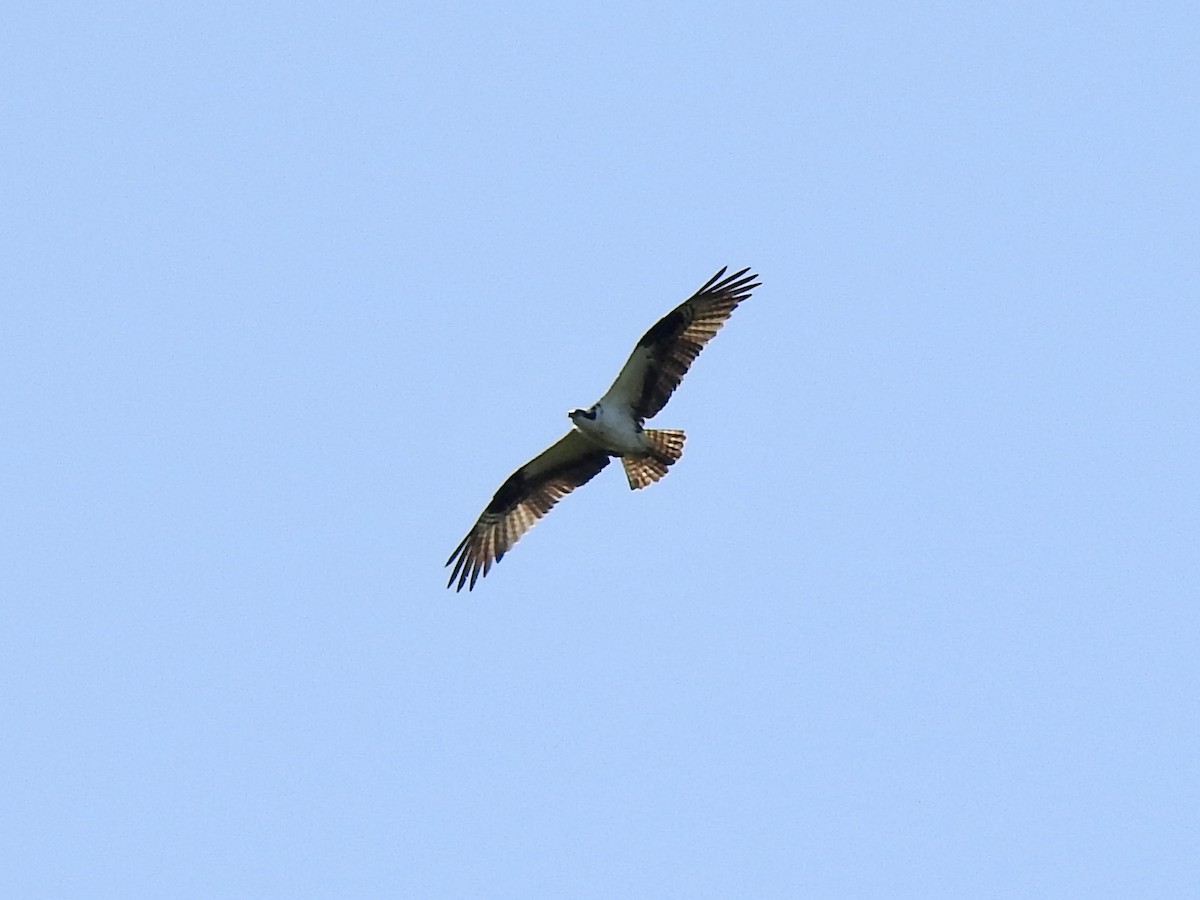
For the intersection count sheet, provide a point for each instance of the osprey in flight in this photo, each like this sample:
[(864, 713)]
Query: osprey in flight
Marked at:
[(610, 427)]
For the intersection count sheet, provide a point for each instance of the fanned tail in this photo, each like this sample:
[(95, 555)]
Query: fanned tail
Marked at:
[(666, 447)]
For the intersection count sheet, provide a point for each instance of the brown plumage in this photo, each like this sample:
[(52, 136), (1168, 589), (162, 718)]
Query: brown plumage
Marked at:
[(665, 352), (527, 495), (649, 468), (612, 427)]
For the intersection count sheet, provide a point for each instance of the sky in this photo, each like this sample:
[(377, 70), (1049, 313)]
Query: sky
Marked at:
[(290, 289)]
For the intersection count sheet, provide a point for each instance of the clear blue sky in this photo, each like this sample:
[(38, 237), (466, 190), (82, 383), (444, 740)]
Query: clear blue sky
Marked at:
[(290, 289)]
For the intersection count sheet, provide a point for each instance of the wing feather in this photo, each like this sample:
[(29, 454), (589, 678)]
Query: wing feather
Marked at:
[(527, 495), (665, 353)]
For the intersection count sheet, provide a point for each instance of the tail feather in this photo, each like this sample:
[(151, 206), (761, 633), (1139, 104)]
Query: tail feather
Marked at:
[(666, 447)]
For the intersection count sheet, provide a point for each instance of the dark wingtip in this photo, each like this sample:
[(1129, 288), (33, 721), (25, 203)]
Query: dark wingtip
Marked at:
[(712, 280), (459, 558), (722, 283), (457, 551), (739, 283)]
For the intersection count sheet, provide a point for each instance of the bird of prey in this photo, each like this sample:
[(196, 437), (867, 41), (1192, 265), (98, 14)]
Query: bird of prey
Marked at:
[(610, 427)]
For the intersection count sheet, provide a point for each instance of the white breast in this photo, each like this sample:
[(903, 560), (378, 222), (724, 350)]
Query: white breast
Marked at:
[(613, 431)]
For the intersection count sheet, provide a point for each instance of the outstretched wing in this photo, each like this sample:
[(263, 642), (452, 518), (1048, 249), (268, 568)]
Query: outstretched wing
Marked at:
[(527, 495), (665, 352)]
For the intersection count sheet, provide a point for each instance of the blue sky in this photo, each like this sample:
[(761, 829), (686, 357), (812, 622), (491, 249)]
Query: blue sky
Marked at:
[(290, 289)]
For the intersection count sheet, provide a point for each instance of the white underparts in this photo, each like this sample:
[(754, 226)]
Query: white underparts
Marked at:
[(613, 429)]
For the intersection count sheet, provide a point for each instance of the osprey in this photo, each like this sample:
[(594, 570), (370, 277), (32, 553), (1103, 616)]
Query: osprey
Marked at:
[(610, 427)]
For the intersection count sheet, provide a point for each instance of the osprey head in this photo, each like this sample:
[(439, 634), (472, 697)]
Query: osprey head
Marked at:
[(577, 414)]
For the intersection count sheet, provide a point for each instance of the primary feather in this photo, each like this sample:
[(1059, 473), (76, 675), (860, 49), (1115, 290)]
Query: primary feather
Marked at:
[(611, 427)]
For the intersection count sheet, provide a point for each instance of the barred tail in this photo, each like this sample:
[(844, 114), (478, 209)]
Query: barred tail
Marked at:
[(666, 447)]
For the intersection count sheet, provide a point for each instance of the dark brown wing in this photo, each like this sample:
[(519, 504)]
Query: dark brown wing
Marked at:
[(527, 495), (665, 352)]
